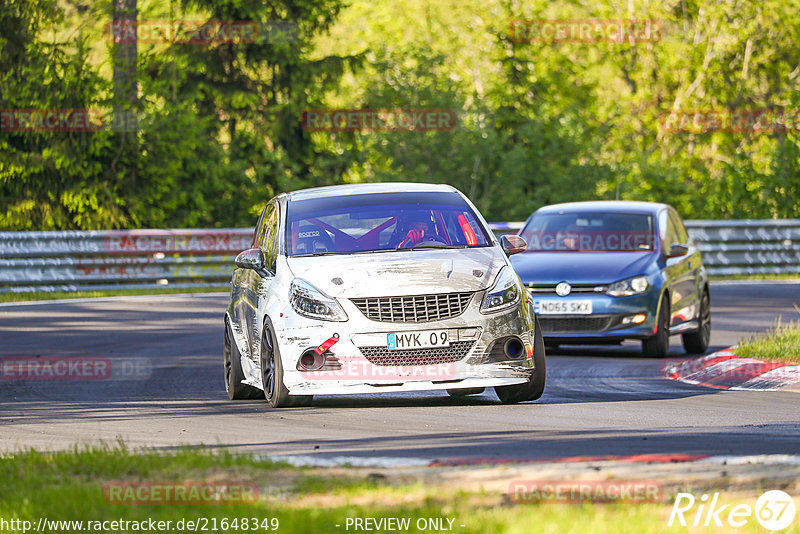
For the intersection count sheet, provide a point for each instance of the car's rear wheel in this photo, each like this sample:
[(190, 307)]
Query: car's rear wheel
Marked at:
[(697, 342), (463, 392), (534, 387), (272, 373), (233, 370), (657, 346)]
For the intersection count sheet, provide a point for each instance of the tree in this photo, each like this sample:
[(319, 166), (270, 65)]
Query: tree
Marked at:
[(50, 179)]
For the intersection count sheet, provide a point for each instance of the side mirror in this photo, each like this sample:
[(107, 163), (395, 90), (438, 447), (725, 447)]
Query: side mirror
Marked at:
[(253, 258), (677, 250), (513, 244)]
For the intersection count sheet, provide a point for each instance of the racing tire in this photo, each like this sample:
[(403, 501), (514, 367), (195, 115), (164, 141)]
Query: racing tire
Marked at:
[(463, 392), (534, 387), (272, 373), (234, 374), (657, 346), (697, 342)]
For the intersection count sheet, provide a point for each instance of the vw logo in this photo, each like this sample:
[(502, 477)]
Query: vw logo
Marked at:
[(563, 289)]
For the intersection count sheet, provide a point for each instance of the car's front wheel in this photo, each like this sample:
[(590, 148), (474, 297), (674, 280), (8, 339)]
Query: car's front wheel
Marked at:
[(534, 387), (657, 345), (233, 370), (272, 373), (697, 342)]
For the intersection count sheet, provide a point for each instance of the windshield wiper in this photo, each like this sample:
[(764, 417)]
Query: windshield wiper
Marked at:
[(312, 254), (431, 247)]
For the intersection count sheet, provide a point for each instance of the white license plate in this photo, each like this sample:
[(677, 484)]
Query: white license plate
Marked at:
[(563, 307), (427, 339)]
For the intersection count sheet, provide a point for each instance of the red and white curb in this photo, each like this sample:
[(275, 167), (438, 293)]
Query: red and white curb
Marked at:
[(723, 370)]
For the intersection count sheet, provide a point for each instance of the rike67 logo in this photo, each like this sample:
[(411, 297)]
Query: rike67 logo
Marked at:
[(774, 510)]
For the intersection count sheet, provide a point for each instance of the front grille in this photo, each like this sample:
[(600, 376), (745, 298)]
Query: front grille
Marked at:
[(383, 356), (550, 289), (414, 309), (575, 324)]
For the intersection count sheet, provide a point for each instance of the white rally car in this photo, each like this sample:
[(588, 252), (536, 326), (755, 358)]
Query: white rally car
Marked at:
[(371, 288)]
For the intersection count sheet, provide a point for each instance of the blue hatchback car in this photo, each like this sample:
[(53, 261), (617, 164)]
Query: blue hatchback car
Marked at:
[(606, 271)]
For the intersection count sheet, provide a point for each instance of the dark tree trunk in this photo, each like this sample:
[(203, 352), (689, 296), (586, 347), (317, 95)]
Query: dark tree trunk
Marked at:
[(126, 91)]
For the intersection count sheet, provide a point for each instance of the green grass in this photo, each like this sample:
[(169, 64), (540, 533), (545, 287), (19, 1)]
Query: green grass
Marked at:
[(780, 343), (57, 295), (69, 486)]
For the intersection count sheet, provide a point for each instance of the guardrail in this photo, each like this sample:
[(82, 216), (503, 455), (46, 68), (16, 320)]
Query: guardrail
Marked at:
[(748, 246), (122, 259)]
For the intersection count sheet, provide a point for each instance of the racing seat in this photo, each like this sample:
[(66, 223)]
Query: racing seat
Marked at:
[(312, 239)]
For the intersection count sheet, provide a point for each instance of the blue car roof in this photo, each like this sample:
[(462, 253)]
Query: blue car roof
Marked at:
[(606, 206)]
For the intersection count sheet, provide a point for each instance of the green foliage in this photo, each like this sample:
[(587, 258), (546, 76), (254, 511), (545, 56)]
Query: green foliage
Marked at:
[(51, 180), (220, 125)]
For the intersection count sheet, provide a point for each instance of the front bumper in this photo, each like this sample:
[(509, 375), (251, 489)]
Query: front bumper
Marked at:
[(360, 362), (610, 319)]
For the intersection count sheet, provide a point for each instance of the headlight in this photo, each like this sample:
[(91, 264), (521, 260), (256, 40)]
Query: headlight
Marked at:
[(628, 287), (505, 293), (310, 302)]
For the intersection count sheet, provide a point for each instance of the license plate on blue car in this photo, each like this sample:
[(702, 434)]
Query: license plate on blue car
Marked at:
[(563, 307)]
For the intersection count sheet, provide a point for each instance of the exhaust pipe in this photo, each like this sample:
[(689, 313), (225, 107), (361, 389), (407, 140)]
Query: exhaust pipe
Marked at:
[(311, 361), (513, 348)]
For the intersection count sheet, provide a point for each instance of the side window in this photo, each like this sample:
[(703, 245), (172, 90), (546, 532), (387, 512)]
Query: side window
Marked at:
[(672, 232), (263, 229), (680, 232), (259, 226), (268, 238), (663, 225)]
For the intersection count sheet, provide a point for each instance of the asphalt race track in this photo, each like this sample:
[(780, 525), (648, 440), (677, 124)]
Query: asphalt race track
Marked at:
[(598, 401)]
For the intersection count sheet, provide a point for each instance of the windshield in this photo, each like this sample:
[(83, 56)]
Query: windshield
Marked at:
[(381, 221), (590, 232)]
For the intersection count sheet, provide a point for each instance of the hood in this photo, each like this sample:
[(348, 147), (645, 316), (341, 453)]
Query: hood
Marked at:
[(580, 267), (410, 272)]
